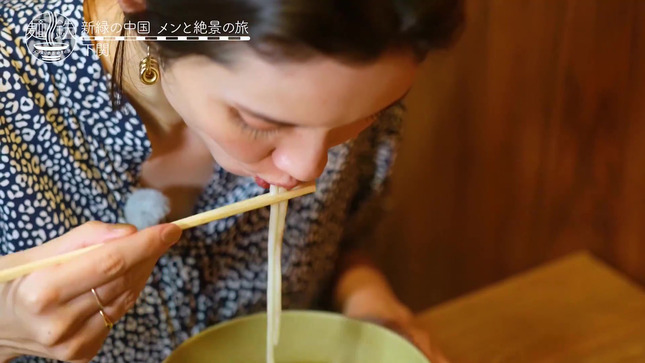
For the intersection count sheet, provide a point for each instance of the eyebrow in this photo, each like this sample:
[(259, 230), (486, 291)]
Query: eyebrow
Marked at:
[(286, 124)]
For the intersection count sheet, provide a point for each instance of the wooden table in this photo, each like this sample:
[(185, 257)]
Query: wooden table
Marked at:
[(573, 310)]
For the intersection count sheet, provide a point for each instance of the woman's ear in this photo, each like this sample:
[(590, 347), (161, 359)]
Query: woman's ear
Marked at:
[(132, 6)]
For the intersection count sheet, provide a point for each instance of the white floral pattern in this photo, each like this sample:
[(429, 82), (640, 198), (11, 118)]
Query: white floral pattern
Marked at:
[(67, 158)]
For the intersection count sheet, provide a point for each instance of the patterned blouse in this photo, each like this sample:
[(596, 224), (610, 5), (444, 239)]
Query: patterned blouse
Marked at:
[(66, 157)]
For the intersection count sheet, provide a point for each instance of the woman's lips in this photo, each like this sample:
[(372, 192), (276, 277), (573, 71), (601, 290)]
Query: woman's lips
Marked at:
[(262, 183)]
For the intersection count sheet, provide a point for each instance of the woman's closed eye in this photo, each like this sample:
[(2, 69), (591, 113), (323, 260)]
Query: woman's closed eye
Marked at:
[(255, 127)]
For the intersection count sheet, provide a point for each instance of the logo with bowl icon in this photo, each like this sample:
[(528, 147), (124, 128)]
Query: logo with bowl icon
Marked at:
[(51, 37)]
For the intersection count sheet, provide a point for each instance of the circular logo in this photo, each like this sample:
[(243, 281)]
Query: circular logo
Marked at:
[(51, 37)]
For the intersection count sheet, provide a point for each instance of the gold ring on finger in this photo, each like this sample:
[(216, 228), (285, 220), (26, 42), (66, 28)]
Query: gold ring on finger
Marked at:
[(108, 323)]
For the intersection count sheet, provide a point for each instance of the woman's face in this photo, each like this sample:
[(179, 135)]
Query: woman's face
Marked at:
[(276, 121)]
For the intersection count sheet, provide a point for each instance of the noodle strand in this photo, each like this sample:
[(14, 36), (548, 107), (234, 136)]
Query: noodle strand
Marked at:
[(278, 213)]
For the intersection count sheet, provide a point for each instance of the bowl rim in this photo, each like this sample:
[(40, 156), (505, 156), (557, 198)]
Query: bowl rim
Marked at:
[(319, 313)]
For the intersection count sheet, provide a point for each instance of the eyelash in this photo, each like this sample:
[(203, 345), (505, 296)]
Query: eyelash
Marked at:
[(253, 132), (256, 134)]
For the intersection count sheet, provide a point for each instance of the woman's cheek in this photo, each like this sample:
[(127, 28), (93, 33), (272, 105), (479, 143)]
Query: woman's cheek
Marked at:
[(245, 149), (233, 141), (343, 134)]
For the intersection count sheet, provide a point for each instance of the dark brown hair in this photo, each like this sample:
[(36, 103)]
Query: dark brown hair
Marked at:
[(348, 30)]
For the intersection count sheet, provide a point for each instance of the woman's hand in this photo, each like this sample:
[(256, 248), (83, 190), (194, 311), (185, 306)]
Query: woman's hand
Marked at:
[(52, 313), (380, 306), (364, 293)]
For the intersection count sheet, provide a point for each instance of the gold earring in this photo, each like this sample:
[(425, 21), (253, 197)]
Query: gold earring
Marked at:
[(148, 69)]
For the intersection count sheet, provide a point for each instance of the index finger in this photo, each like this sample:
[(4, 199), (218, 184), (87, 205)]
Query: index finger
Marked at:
[(95, 268)]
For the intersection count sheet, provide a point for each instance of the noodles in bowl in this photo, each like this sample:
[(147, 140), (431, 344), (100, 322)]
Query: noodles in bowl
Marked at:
[(305, 337)]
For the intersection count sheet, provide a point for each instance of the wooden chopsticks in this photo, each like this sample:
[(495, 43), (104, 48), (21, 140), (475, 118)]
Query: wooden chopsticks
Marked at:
[(184, 223)]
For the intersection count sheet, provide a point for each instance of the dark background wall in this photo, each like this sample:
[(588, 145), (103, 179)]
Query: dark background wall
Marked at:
[(524, 142)]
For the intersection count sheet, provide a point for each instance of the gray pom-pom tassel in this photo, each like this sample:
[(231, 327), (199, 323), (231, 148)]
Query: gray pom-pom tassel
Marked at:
[(145, 208)]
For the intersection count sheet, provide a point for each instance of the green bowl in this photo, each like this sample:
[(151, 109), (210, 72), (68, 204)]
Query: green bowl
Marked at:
[(305, 337)]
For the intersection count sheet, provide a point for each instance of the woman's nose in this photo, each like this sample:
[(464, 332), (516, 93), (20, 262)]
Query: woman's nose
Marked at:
[(304, 157)]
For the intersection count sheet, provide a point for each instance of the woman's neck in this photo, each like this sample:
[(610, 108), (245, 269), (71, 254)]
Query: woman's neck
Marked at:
[(149, 100)]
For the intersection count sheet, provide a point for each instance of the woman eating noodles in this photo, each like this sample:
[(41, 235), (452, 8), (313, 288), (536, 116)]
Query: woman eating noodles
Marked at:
[(313, 95)]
